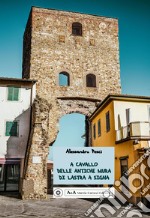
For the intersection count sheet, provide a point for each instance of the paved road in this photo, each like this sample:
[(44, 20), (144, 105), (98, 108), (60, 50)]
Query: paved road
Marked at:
[(52, 208)]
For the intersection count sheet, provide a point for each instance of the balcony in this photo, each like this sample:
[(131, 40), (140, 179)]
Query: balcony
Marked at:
[(135, 130)]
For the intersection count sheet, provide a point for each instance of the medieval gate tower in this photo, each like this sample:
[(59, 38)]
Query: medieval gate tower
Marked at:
[(84, 50)]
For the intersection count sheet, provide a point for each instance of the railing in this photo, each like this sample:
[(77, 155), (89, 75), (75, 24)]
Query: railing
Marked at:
[(134, 129)]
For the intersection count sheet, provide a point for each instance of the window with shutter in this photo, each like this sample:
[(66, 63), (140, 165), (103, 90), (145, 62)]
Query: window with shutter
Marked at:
[(99, 127), (107, 122), (11, 128), (94, 131), (13, 94), (10, 93)]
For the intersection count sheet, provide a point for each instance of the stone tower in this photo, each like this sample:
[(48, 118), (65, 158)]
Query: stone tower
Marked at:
[(83, 50)]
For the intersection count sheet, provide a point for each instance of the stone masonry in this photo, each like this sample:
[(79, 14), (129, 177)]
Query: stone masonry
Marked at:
[(49, 49), (35, 183)]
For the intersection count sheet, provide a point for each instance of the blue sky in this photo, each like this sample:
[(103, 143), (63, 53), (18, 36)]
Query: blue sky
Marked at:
[(134, 35), (71, 128)]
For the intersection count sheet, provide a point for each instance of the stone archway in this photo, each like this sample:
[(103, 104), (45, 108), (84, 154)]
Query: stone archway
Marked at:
[(44, 130), (67, 105)]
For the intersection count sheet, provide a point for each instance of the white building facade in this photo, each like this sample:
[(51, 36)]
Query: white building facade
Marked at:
[(132, 119), (16, 98)]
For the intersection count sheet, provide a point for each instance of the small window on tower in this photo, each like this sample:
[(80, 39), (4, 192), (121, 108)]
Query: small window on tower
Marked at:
[(77, 29), (90, 80), (64, 79)]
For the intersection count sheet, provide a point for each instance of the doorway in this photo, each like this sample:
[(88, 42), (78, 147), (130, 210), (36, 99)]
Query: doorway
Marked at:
[(124, 168), (9, 177)]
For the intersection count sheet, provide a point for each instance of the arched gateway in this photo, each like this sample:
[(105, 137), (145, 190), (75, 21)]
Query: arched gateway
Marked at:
[(49, 49)]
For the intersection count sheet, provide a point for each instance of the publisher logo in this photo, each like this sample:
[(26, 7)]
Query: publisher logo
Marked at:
[(58, 192), (82, 192)]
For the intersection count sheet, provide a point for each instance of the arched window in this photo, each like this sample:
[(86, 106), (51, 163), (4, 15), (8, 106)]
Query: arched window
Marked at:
[(64, 79), (77, 29), (90, 80)]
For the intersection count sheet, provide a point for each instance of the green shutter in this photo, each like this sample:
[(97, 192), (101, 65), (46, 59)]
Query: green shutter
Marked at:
[(13, 94), (13, 131), (8, 128), (11, 128), (16, 94), (10, 93)]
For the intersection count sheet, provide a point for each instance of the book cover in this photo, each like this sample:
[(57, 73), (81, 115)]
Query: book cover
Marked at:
[(75, 108)]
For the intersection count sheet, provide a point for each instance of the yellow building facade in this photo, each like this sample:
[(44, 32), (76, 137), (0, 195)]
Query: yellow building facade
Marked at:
[(123, 122)]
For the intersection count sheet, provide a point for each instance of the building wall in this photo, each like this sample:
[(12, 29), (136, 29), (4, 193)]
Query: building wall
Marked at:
[(106, 138), (11, 146), (126, 149), (50, 48), (138, 111), (54, 49)]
